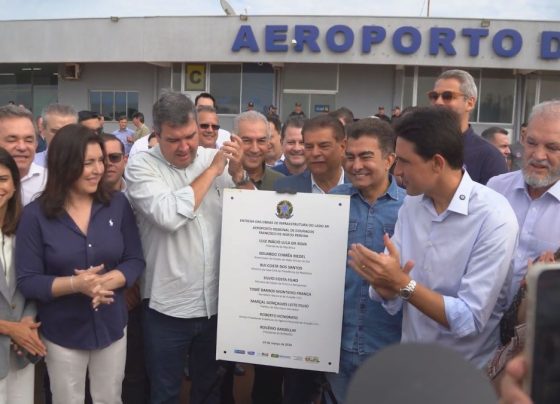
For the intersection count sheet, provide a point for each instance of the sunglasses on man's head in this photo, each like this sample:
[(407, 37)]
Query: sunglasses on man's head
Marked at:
[(207, 125), (115, 157), (446, 96)]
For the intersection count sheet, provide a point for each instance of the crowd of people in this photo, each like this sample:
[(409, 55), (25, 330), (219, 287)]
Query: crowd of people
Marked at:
[(110, 242)]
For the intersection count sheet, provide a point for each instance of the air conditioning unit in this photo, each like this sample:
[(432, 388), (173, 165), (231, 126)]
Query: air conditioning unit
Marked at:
[(71, 71)]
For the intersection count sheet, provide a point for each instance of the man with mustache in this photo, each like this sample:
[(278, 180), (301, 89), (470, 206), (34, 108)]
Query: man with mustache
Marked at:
[(534, 191)]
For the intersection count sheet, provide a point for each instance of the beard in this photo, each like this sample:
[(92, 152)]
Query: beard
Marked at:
[(534, 181)]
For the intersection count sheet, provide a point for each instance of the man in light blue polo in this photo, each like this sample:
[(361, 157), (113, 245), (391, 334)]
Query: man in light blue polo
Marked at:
[(448, 264), (125, 134), (375, 199)]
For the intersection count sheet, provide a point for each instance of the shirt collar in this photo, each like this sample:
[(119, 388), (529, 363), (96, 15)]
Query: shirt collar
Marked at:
[(34, 170), (520, 185), (317, 187), (460, 201), (392, 190)]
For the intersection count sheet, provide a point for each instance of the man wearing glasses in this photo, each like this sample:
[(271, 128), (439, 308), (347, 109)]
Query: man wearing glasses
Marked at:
[(208, 126), (456, 90), (115, 163)]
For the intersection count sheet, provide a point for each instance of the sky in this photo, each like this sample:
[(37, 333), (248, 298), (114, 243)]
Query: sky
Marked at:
[(490, 9)]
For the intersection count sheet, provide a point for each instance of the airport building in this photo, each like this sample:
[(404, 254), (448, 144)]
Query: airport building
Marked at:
[(119, 65)]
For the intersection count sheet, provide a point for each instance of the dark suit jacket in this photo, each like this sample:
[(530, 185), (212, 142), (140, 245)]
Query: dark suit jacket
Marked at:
[(297, 183)]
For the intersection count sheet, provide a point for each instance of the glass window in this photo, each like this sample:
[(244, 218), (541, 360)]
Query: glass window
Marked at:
[(120, 104), (496, 96), (257, 85), (311, 77), (95, 100), (176, 77), (131, 103), (426, 79), (550, 88), (225, 86), (408, 85), (33, 86), (530, 96), (112, 104), (108, 105)]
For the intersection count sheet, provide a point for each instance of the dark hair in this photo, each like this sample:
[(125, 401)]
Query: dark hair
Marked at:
[(375, 128), (294, 121), (87, 115), (433, 130), (151, 136), (13, 211), (323, 122), (65, 164), (275, 121), (172, 108), (107, 137), (343, 113), (205, 95), (123, 117), (138, 115), (490, 133)]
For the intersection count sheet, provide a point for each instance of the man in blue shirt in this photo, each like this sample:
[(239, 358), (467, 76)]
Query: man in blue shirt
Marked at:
[(448, 263), (375, 199), (125, 134)]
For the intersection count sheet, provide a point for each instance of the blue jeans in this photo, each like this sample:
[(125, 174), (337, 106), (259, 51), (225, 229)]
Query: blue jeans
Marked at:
[(166, 343), (349, 364)]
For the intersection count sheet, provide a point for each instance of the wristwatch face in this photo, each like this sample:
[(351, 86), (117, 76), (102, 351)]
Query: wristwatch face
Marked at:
[(405, 293)]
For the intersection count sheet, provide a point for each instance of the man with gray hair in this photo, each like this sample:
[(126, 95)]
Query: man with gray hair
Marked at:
[(252, 127), (54, 117), (456, 90), (176, 189), (534, 191), (17, 136)]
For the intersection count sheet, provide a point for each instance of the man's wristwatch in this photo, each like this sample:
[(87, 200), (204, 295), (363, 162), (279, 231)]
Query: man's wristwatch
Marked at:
[(406, 292), (244, 180)]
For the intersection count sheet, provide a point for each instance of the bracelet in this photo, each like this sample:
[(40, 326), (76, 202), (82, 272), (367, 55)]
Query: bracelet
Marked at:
[(72, 283)]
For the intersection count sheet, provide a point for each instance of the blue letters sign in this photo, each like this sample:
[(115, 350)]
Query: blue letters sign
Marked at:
[(405, 40)]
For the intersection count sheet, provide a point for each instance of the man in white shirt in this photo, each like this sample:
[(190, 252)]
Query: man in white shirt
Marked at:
[(534, 191), (17, 136), (176, 189), (448, 262)]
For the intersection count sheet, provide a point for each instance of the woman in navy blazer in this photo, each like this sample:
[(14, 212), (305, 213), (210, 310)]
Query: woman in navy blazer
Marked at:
[(78, 248), (17, 316)]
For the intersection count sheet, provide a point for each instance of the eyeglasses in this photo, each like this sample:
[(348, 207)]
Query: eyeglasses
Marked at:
[(207, 125), (115, 157), (446, 96)]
